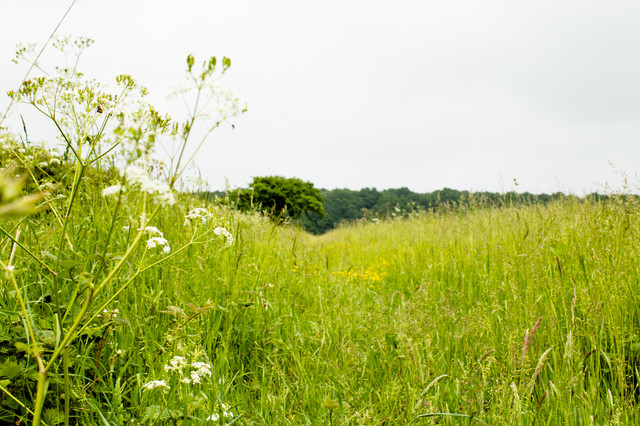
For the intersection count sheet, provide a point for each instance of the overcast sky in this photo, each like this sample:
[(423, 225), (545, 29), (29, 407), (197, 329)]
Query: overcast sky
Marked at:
[(352, 93)]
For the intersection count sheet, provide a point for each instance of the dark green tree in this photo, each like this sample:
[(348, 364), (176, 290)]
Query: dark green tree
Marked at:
[(282, 197)]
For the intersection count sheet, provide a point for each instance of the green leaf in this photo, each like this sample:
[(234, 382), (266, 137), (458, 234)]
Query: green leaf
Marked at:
[(53, 416), (21, 347), (11, 369)]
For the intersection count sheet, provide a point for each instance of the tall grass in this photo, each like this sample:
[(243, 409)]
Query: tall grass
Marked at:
[(514, 315)]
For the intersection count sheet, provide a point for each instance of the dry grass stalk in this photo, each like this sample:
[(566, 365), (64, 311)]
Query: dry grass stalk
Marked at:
[(528, 338)]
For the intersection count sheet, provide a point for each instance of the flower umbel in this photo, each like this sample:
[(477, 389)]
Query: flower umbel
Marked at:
[(156, 384), (160, 191), (197, 214), (111, 190), (226, 234), (157, 239)]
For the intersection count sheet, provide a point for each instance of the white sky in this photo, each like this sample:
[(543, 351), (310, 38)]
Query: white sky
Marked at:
[(364, 93)]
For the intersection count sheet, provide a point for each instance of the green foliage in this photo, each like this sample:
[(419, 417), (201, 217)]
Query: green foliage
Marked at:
[(345, 205), (280, 197), (63, 270)]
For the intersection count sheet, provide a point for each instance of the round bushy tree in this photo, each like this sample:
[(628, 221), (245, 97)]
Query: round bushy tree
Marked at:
[(282, 197)]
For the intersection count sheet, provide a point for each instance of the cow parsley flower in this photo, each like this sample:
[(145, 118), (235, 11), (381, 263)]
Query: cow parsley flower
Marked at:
[(152, 230), (156, 384), (160, 191), (154, 242), (177, 363), (223, 102), (111, 190), (226, 234), (195, 214), (195, 378), (201, 369), (157, 239)]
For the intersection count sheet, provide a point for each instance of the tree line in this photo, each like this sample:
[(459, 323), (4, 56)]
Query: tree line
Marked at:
[(369, 203), (320, 210)]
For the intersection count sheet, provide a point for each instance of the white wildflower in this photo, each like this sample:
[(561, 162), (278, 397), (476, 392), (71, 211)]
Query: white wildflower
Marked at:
[(156, 384), (157, 239), (202, 369), (195, 378), (223, 102), (152, 230), (154, 242), (136, 175), (161, 192), (225, 413), (227, 235), (165, 198), (111, 190), (197, 213), (176, 363)]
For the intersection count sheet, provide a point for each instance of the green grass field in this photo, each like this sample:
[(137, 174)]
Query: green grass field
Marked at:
[(516, 315)]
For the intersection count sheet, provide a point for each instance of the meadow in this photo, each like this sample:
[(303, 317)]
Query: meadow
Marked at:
[(124, 299), (512, 315)]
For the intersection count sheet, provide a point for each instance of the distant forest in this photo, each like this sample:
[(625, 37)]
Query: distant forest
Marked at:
[(346, 205)]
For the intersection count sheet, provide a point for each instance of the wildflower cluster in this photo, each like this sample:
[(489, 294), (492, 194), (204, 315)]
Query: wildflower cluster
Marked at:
[(198, 214), (81, 108), (372, 274), (223, 409), (226, 234), (183, 371), (156, 384), (188, 373), (106, 143), (161, 192), (137, 177), (156, 238), (203, 216)]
